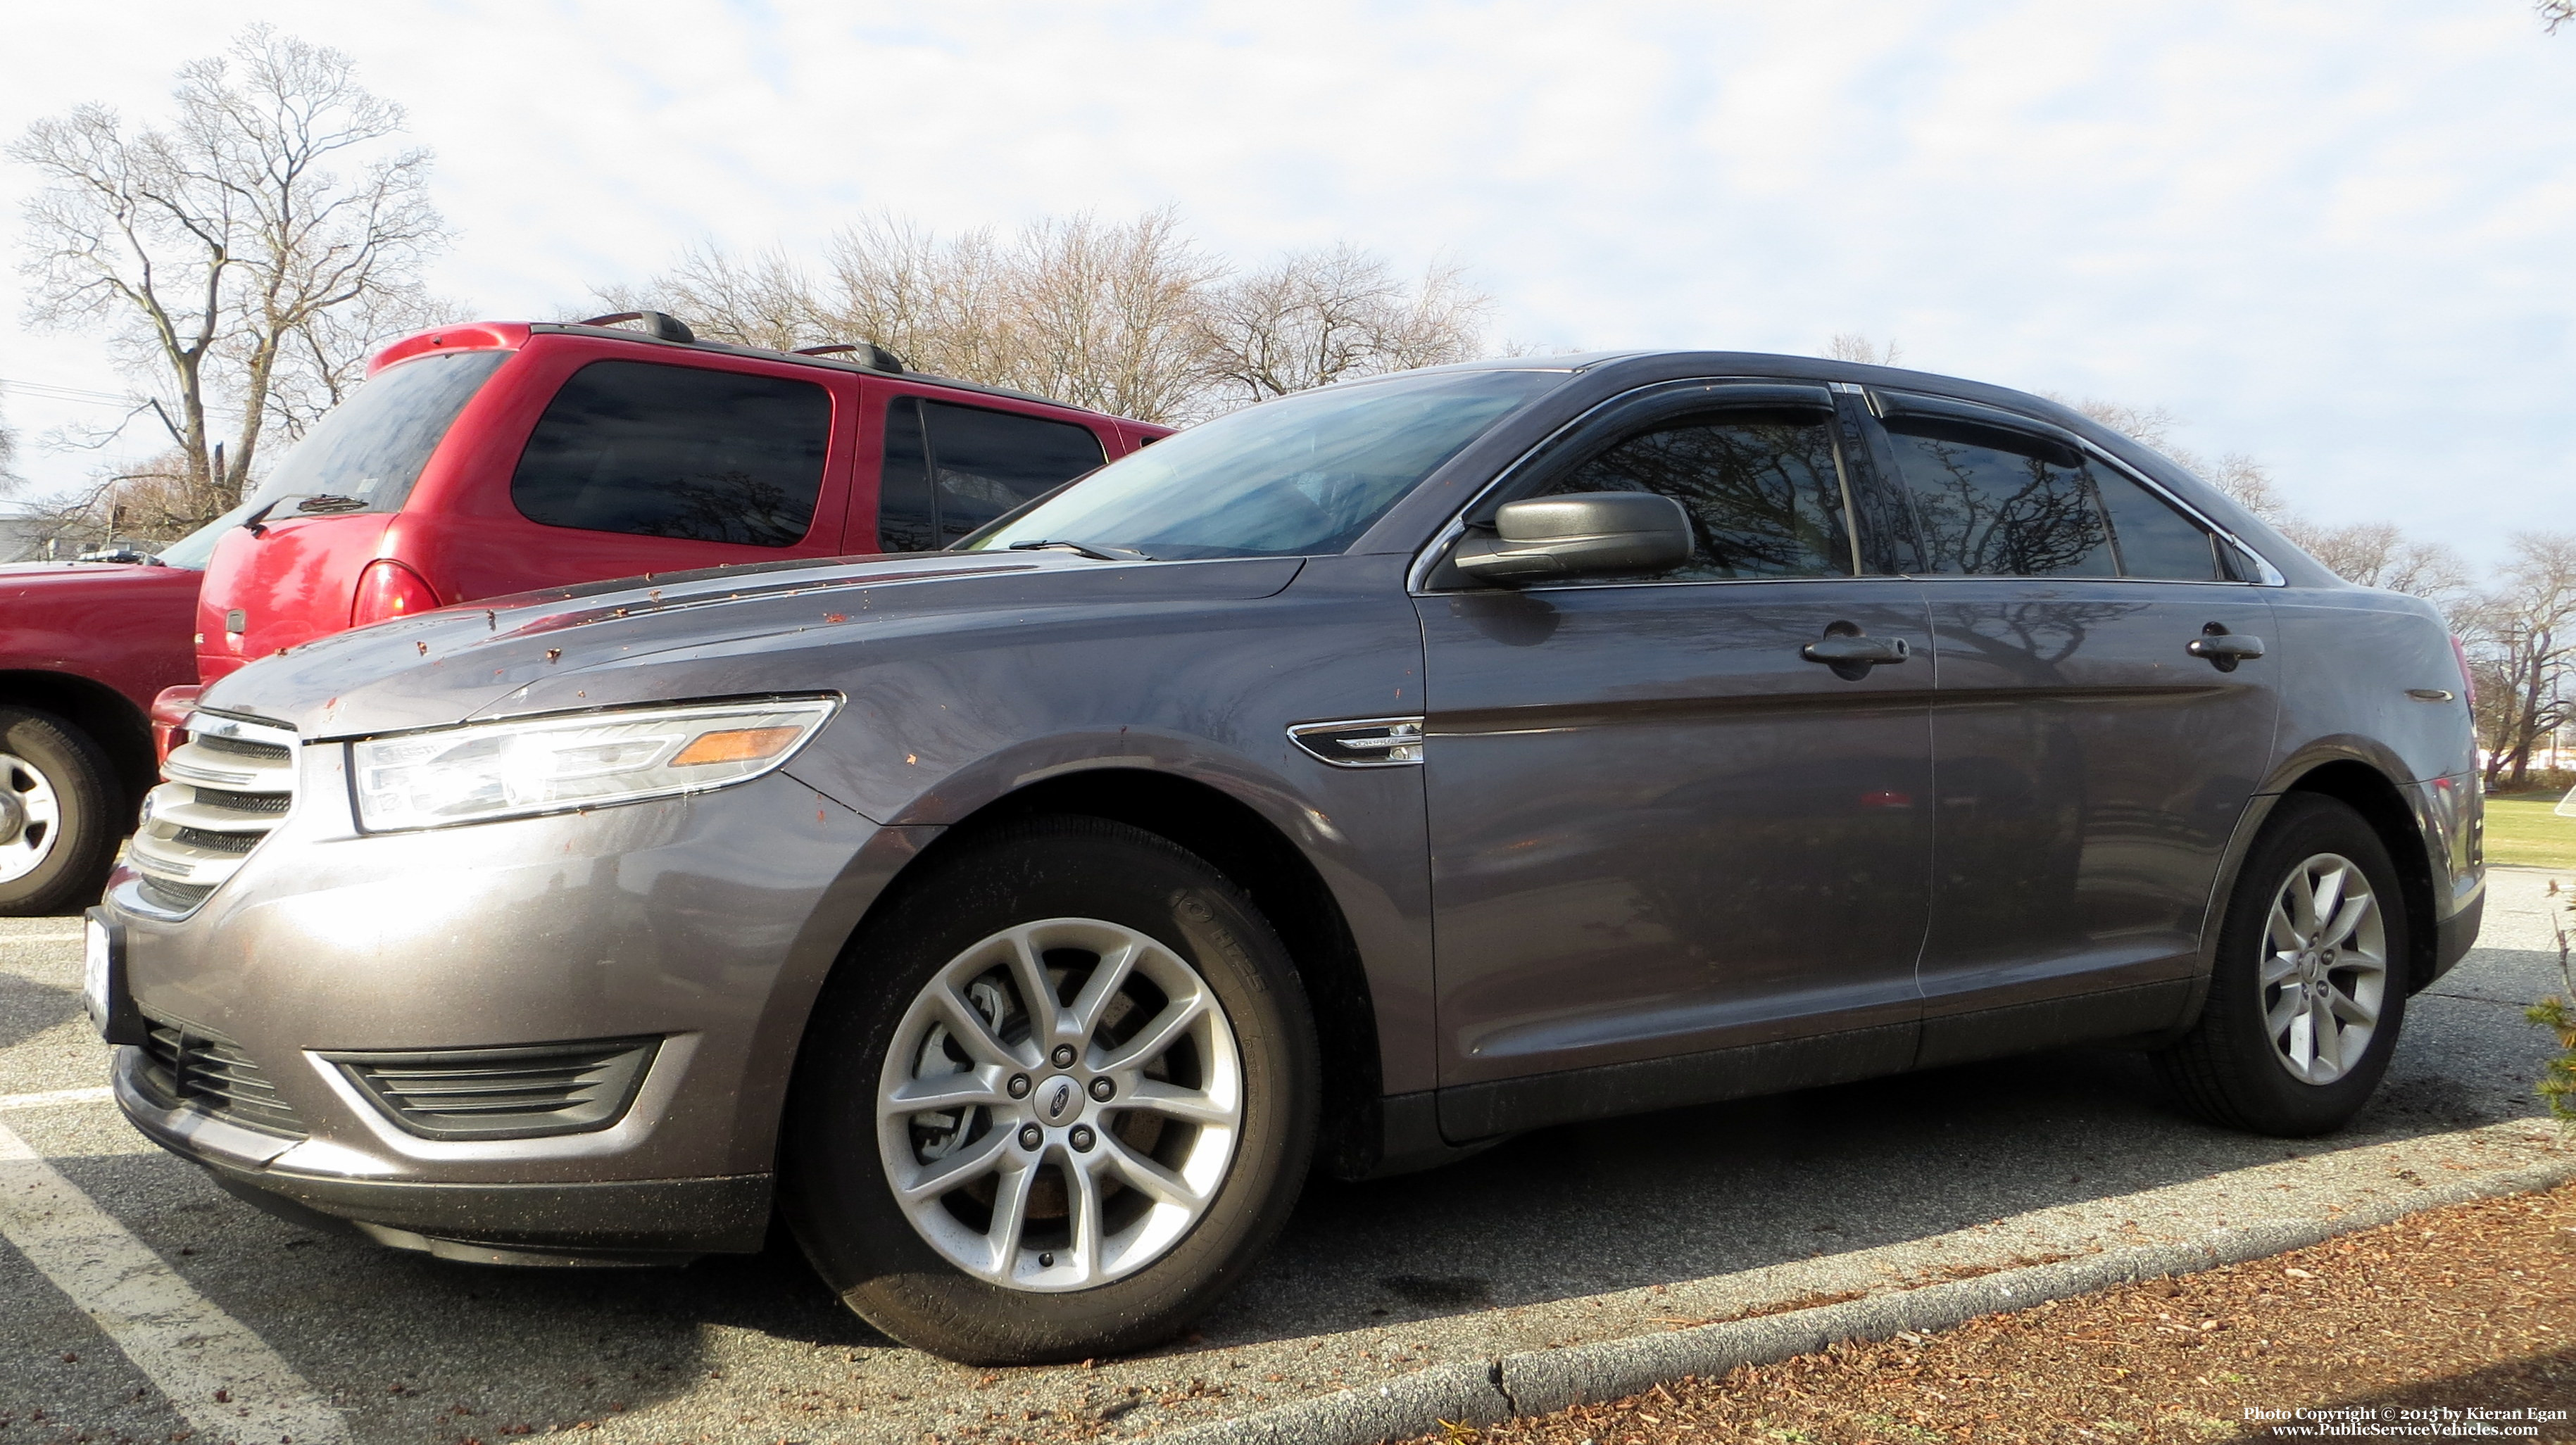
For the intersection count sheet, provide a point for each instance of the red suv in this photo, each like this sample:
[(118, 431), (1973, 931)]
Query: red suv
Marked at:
[(492, 458)]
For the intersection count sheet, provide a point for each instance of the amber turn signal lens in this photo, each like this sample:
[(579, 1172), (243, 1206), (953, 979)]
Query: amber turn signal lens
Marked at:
[(741, 745)]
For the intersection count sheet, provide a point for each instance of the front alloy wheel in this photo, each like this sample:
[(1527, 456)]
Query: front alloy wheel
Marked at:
[(1058, 1095), (1060, 1105)]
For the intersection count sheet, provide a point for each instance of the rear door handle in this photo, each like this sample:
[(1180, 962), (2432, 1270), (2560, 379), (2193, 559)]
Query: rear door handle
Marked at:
[(1851, 655), (2223, 649)]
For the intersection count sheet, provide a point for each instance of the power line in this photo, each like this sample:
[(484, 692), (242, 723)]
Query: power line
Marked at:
[(50, 392)]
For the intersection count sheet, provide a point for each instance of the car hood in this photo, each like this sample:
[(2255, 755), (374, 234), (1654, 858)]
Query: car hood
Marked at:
[(17, 578), (592, 645)]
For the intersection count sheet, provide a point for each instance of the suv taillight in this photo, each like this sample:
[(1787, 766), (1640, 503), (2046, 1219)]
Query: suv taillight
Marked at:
[(387, 590), (2468, 679)]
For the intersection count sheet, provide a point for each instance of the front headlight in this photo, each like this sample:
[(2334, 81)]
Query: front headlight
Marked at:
[(484, 771)]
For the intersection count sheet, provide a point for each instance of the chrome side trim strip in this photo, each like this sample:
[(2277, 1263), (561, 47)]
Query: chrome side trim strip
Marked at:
[(1378, 742)]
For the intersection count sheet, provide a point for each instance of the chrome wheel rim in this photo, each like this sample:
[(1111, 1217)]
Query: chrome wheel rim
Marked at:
[(1060, 1105), (31, 818), (2325, 969)]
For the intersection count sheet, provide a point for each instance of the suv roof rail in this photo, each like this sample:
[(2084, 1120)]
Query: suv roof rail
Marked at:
[(865, 353), (657, 325)]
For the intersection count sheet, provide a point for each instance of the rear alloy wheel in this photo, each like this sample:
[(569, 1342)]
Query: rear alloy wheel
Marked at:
[(2324, 977), (1058, 1097), (58, 815), (2307, 994)]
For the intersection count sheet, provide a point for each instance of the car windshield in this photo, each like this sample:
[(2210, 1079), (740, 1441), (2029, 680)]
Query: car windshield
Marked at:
[(364, 455), (1301, 476), (193, 551)]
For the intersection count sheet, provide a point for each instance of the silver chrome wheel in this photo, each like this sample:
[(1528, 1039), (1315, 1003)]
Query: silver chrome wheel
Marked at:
[(1060, 1104), (2325, 969), (31, 817)]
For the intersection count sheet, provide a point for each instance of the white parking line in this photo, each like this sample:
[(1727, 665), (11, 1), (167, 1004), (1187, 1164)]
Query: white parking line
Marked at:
[(225, 1380), (47, 1100)]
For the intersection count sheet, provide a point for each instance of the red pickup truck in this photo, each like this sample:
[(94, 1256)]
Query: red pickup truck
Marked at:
[(480, 460), (84, 648)]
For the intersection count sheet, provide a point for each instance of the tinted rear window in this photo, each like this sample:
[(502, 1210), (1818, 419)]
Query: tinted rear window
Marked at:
[(985, 463), (677, 451), (1993, 503), (2154, 539), (370, 448)]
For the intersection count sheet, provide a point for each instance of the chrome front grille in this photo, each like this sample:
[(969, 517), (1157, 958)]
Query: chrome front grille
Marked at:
[(186, 1067), (223, 790)]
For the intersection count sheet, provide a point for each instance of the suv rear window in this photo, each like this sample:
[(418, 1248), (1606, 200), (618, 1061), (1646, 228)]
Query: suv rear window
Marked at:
[(985, 462), (677, 451), (369, 449)]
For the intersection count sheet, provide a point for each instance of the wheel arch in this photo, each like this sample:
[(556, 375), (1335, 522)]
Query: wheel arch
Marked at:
[(1238, 841), (107, 717), (2371, 792)]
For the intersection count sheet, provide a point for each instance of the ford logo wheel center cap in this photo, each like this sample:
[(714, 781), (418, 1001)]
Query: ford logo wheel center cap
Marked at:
[(1061, 1097)]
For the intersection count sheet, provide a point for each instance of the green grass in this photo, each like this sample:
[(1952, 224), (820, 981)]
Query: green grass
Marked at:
[(2522, 829)]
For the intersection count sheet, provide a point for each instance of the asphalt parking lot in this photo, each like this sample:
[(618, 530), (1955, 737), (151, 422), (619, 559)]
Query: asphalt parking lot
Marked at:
[(139, 1302)]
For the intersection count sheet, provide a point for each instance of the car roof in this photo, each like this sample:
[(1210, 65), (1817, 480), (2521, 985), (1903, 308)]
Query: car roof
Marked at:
[(829, 363)]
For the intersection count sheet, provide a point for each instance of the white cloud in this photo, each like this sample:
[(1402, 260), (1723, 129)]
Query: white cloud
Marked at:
[(2330, 234)]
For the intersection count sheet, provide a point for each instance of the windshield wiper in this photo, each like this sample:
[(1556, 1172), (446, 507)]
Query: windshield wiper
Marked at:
[(328, 502), (1105, 554)]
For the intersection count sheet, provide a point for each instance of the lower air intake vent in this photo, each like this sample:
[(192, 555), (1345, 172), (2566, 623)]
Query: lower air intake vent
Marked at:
[(512, 1093), (187, 1067)]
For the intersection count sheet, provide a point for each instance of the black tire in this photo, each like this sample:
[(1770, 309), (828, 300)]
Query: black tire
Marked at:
[(835, 1189), (2227, 1069), (91, 812)]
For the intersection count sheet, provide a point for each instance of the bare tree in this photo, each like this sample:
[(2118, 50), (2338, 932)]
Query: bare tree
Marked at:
[(2554, 13), (764, 299), (1856, 346), (233, 266), (2522, 641), (2378, 554), (2238, 475), (1318, 316), (1107, 316), (1127, 317)]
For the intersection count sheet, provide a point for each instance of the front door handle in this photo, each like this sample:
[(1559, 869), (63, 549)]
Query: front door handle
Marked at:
[(1851, 654), (2223, 649)]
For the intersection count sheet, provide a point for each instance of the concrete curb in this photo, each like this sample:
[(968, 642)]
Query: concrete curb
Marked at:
[(1538, 1381)]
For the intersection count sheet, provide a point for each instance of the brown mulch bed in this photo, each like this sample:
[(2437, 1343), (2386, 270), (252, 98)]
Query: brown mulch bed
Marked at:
[(2467, 1308)]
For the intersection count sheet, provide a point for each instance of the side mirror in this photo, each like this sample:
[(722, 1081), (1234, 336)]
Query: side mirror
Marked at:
[(1583, 534)]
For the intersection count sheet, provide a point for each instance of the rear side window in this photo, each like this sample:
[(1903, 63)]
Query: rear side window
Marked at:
[(2154, 539), (1762, 490), (367, 452), (677, 451), (2000, 504), (951, 469)]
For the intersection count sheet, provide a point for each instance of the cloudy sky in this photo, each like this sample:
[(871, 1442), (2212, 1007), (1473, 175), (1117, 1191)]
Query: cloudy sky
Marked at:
[(2336, 236)]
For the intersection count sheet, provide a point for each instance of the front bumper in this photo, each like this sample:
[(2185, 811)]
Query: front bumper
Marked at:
[(642, 1221), (706, 923)]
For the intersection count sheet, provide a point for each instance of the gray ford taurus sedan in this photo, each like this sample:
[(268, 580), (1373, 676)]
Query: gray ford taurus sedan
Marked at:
[(1347, 783)]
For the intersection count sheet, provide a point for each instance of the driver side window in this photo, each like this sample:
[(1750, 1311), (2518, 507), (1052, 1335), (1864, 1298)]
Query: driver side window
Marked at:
[(1763, 492)]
